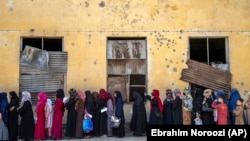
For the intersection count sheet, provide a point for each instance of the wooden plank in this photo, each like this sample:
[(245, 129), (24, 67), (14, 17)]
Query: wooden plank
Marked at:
[(207, 76)]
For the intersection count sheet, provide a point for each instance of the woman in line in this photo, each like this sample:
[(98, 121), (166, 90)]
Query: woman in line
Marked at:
[(156, 108), (95, 115), (58, 109), (138, 121), (3, 116), (89, 110), (177, 108), (71, 117), (48, 117), (27, 117), (13, 115), (40, 132), (119, 113), (167, 108), (110, 112), (80, 113)]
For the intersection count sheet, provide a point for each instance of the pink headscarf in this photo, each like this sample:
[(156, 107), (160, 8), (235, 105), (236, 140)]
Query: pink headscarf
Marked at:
[(43, 98), (80, 94)]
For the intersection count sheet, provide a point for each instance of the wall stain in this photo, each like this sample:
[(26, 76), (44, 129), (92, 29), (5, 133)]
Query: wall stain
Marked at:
[(86, 4), (174, 69), (102, 4)]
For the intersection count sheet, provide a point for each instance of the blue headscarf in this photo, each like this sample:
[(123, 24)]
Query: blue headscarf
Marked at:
[(4, 107), (234, 96)]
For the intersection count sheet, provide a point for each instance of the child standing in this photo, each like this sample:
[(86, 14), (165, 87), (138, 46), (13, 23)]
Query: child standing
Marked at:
[(238, 112), (222, 110), (48, 117)]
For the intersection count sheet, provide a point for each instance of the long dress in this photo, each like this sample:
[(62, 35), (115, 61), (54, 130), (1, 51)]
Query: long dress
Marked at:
[(71, 118), (3, 131), (177, 111), (79, 117), (90, 109), (138, 121), (101, 128), (153, 119), (56, 131), (27, 121), (120, 131), (40, 132), (167, 112), (110, 112), (13, 117)]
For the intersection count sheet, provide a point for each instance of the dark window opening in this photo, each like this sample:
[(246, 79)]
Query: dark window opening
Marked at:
[(137, 79), (34, 42), (48, 44), (208, 50), (52, 44)]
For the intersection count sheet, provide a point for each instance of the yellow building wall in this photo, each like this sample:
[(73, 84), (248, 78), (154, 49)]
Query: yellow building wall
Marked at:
[(86, 25)]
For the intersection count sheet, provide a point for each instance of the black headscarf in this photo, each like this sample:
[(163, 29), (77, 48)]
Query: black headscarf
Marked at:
[(89, 102), (14, 99), (60, 94)]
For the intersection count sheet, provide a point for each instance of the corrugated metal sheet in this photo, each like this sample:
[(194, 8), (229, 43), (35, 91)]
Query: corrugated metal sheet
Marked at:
[(207, 76), (57, 64), (126, 67), (41, 82), (35, 80)]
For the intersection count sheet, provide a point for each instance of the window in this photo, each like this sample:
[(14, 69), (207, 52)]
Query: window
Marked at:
[(127, 65), (208, 50), (44, 43), (35, 79)]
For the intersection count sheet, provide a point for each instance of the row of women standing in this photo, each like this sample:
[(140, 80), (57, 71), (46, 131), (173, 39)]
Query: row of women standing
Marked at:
[(99, 107), (31, 125)]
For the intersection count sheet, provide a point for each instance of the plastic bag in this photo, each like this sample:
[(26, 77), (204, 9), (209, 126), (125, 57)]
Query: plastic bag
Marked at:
[(115, 122), (87, 124)]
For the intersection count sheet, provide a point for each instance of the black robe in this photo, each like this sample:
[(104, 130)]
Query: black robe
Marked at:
[(13, 118), (120, 131), (90, 107), (27, 121), (208, 117), (71, 118), (168, 112), (177, 111), (101, 118), (139, 117), (197, 103), (153, 119)]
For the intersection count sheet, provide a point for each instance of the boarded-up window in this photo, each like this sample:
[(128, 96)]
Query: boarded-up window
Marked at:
[(35, 79), (126, 59)]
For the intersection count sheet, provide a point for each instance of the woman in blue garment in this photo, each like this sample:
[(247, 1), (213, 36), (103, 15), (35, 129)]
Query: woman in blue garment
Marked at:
[(3, 116), (120, 131), (232, 104)]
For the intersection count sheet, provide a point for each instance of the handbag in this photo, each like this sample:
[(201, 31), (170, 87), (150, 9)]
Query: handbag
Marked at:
[(205, 108), (115, 121), (158, 113), (87, 124)]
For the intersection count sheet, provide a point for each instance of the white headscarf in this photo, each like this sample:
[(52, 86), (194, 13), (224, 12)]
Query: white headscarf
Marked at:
[(25, 97), (49, 102)]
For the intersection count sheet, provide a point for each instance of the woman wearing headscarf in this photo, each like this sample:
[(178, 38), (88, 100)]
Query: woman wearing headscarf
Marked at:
[(27, 117), (138, 121), (101, 108), (167, 108), (187, 107), (110, 112), (58, 109), (177, 108), (48, 117), (197, 102), (80, 113), (232, 104), (71, 117), (3, 116), (13, 115), (89, 109), (40, 132), (96, 116), (207, 116), (120, 131), (156, 108)]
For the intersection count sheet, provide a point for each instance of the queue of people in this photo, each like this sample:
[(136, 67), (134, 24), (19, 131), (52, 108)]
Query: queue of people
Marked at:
[(201, 107)]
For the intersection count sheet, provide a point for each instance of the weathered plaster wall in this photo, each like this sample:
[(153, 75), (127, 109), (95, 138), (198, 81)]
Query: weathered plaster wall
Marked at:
[(85, 26)]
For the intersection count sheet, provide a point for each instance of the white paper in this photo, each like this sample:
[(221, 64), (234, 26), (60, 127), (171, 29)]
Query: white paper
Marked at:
[(104, 109)]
